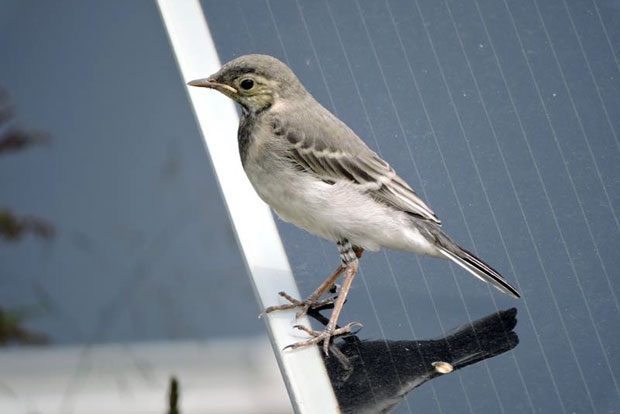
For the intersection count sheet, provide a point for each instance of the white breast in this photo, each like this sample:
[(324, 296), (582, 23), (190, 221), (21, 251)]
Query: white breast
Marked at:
[(333, 211)]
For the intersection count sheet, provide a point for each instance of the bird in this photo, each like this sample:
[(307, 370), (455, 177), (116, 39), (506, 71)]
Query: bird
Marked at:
[(316, 173)]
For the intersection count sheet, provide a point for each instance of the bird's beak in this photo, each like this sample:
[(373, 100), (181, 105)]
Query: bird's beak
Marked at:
[(211, 84)]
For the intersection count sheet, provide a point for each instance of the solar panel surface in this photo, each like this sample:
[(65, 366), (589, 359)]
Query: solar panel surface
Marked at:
[(504, 117)]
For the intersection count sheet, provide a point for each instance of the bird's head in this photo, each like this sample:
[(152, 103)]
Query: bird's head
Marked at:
[(256, 82)]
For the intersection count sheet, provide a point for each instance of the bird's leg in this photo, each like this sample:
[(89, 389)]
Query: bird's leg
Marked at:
[(312, 301), (351, 264), (358, 253), (331, 331)]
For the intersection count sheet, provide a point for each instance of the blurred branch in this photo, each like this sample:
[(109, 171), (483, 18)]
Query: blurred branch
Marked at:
[(13, 138), (11, 329), (13, 227), (173, 397), (17, 139)]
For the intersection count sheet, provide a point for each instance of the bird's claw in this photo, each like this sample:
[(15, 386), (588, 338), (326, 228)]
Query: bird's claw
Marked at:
[(305, 305), (322, 336)]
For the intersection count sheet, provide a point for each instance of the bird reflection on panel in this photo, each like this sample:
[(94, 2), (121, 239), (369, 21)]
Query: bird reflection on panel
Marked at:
[(360, 369)]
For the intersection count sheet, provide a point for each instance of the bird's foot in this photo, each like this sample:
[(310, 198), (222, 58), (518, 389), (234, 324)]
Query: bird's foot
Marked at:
[(322, 336), (305, 305)]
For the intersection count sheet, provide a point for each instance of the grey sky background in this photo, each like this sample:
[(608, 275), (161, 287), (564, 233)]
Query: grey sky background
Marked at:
[(144, 249)]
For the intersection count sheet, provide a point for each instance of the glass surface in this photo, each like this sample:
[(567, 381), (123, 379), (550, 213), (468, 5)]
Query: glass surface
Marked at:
[(504, 116)]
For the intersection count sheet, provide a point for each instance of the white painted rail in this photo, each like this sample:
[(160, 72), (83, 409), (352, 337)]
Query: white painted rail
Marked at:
[(303, 370)]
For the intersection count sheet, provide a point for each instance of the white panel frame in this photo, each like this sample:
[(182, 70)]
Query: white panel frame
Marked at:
[(304, 372)]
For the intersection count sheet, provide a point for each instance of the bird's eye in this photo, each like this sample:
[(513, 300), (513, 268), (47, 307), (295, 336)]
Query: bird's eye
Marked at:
[(247, 84)]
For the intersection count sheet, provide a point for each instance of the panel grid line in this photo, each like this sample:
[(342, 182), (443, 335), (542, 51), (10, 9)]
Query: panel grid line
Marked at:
[(479, 175), (565, 163), (275, 25), (598, 93), (403, 134), (611, 47), (433, 49), (553, 213), (585, 137), (531, 236), (246, 25)]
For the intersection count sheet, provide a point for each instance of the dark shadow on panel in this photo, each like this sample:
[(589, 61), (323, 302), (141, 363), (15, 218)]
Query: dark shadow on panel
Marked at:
[(375, 376)]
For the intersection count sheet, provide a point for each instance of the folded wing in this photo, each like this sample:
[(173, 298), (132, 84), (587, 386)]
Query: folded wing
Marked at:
[(347, 158)]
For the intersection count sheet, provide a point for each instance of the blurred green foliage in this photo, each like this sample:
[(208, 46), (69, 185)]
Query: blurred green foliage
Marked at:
[(14, 226), (12, 331)]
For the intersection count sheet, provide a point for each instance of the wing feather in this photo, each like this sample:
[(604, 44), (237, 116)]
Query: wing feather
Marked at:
[(333, 161)]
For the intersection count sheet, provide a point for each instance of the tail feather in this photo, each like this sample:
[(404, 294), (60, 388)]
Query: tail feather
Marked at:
[(478, 268)]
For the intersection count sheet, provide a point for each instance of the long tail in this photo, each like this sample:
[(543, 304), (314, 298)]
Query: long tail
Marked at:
[(475, 266)]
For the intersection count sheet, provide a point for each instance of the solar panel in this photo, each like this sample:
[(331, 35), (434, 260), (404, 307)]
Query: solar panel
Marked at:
[(504, 117)]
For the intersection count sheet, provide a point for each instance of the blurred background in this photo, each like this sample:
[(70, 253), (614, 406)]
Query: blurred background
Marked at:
[(117, 258), (118, 266)]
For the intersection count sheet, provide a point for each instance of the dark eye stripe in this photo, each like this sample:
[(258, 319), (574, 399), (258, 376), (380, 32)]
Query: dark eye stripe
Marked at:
[(234, 73)]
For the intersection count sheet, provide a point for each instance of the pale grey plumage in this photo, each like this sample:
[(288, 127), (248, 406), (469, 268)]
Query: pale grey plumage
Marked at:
[(316, 173), (346, 158)]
